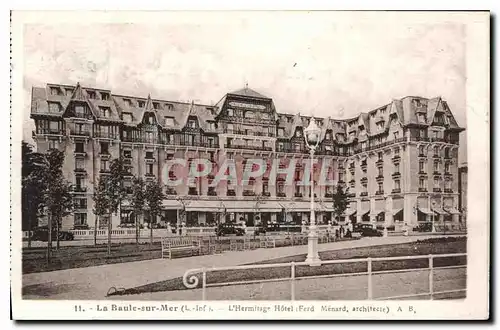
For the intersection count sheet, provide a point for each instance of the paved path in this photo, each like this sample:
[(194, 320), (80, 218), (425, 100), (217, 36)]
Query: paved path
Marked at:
[(94, 282)]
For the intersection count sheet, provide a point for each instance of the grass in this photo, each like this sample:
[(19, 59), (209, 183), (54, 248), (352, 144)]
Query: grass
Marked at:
[(34, 259), (424, 247)]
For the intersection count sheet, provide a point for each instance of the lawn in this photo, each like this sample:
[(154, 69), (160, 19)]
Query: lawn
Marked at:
[(34, 259), (423, 247)]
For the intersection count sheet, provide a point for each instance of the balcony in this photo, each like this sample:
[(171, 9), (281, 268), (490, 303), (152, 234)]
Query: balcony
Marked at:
[(448, 174), (80, 170), (364, 165), (211, 192), (281, 194), (170, 191), (248, 193), (266, 194), (448, 157), (351, 195), (422, 173), (49, 131), (76, 188), (396, 174), (106, 135), (79, 132), (396, 191), (421, 154), (150, 160), (104, 155), (436, 189), (379, 192), (422, 189), (150, 176), (363, 193), (80, 154), (104, 171), (447, 190), (436, 173), (231, 192), (192, 192), (379, 162), (298, 195), (248, 133), (364, 179), (436, 156), (247, 147), (396, 158), (127, 161), (379, 177)]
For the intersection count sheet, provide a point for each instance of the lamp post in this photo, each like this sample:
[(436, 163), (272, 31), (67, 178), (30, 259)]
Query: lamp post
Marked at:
[(312, 133), (433, 229)]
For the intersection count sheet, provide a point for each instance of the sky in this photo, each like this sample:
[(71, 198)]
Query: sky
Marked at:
[(312, 63)]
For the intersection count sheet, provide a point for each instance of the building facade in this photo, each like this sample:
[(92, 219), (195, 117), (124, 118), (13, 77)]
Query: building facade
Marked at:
[(399, 160), (462, 190)]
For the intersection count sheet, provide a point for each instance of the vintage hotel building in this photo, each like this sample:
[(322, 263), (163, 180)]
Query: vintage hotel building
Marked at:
[(399, 160)]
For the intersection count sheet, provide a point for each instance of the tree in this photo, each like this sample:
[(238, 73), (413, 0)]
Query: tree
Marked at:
[(115, 192), (138, 202), (153, 198), (340, 200), (101, 203), (32, 187)]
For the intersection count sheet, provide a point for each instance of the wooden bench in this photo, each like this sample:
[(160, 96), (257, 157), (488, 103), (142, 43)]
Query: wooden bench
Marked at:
[(168, 245)]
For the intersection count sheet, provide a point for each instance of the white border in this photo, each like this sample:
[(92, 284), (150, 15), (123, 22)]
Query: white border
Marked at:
[(475, 306)]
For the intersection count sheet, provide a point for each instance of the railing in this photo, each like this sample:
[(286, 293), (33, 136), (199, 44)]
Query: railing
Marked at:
[(191, 278), (118, 233), (79, 133), (249, 133), (247, 147), (106, 135)]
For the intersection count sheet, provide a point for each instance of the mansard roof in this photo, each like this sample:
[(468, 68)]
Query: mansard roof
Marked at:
[(404, 110)]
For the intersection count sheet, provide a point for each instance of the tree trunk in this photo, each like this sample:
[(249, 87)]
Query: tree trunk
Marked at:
[(136, 228), (95, 229), (57, 234), (151, 230), (49, 237), (109, 235), (29, 228)]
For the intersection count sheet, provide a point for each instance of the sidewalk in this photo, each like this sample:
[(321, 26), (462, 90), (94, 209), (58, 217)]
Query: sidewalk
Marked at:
[(94, 282)]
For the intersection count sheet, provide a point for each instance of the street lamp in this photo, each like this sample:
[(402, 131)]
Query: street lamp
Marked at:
[(433, 229), (312, 133)]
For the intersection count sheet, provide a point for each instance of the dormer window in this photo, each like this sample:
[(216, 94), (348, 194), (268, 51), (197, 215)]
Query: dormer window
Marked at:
[(141, 104), (128, 102), (230, 112), (80, 110), (328, 136), (169, 121), (91, 95), (417, 103), (105, 111), (156, 105), (151, 120), (421, 117), (104, 96), (298, 133), (281, 131), (249, 114), (69, 91), (55, 91), (211, 125), (54, 107), (169, 106), (191, 123), (289, 119), (127, 117)]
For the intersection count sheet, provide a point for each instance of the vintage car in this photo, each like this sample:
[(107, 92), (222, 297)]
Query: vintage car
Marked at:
[(42, 234), (225, 229)]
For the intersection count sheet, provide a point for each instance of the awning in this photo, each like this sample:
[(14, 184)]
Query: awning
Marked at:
[(363, 212), (439, 211), (349, 212), (396, 211), (204, 206), (171, 204), (326, 207), (269, 207), (241, 206), (453, 211), (296, 206), (425, 210)]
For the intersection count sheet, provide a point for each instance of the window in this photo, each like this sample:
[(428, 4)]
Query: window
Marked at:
[(281, 146), (104, 96), (80, 219), (421, 183), (211, 125), (396, 168), (79, 163), (127, 117), (80, 203), (380, 187), (380, 171), (281, 188), (91, 95), (421, 165), (265, 187), (156, 105), (79, 147), (396, 135), (421, 118), (104, 165), (281, 132), (128, 102), (104, 148), (79, 182), (365, 187), (80, 110), (352, 184), (69, 91), (230, 112), (149, 169), (436, 151), (141, 104), (127, 153), (151, 119), (380, 155), (447, 185), (55, 91), (53, 107), (447, 167), (105, 111), (149, 155), (249, 114), (436, 166), (53, 144), (421, 150), (397, 184), (296, 147), (298, 133), (396, 151), (53, 126), (328, 136), (436, 182), (192, 123)]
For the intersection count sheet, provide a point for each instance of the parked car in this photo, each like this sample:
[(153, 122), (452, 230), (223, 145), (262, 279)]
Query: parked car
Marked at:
[(423, 227), (42, 234), (367, 230), (224, 229)]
